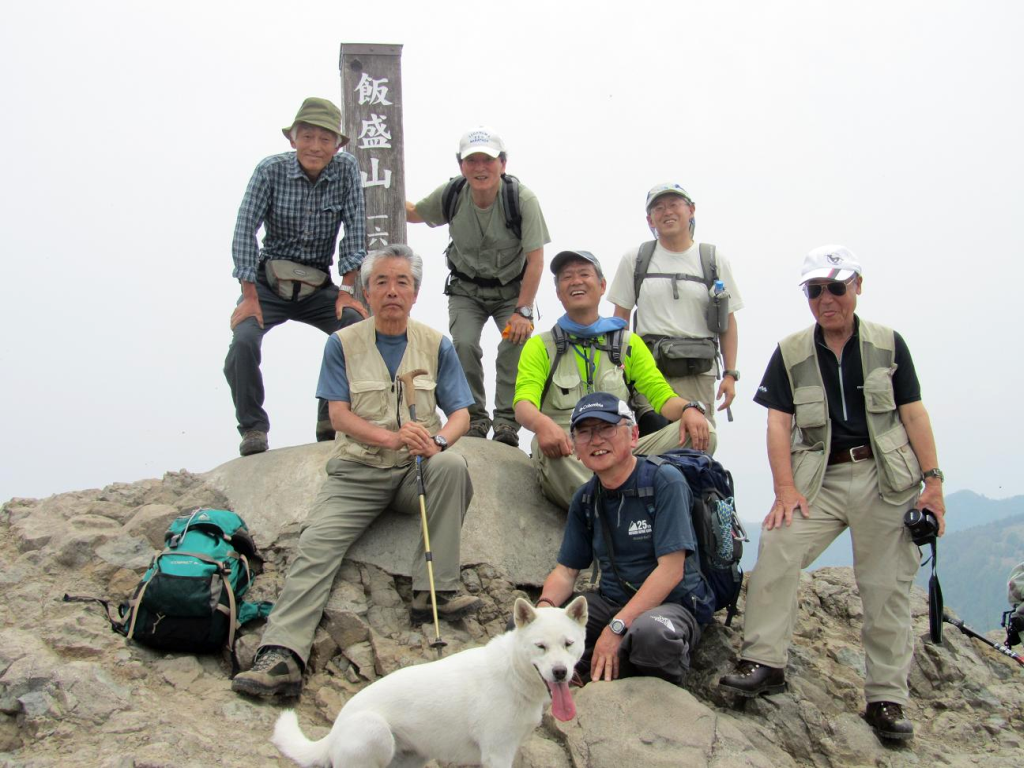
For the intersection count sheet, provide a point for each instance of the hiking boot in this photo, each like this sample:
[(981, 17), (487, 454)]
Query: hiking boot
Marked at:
[(888, 721), (275, 673), (253, 441), (753, 679), (324, 431), (507, 434), (450, 605), (478, 428)]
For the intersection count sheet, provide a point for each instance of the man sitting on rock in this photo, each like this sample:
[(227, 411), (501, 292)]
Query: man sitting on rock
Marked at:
[(642, 620), (849, 385), (373, 467), (549, 384)]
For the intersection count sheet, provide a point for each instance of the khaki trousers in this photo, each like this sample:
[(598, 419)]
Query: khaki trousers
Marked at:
[(885, 561), (352, 497), (559, 478), (467, 316)]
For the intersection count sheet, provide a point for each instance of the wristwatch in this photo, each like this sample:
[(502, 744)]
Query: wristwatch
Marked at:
[(734, 374), (349, 289), (526, 312), (440, 442), (618, 627), (695, 404), (935, 473)]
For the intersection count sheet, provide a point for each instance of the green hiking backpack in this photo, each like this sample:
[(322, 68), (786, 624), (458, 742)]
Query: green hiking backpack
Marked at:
[(190, 597)]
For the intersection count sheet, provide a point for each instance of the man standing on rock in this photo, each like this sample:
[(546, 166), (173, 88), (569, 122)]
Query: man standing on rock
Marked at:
[(676, 315), (587, 353), (301, 199), (643, 618), (850, 385), (496, 257), (374, 468)]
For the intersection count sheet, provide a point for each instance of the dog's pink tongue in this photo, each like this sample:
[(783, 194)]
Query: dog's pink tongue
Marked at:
[(562, 705)]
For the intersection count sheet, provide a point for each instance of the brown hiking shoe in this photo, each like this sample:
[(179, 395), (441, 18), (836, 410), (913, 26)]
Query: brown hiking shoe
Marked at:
[(253, 441), (888, 721), (478, 428), (450, 605), (276, 673), (507, 434), (753, 679)]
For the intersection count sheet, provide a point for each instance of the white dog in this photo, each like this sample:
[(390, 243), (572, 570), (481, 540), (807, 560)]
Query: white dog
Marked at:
[(473, 707)]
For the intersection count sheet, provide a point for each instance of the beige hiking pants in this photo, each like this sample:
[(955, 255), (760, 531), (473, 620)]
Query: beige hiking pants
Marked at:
[(885, 561), (352, 497)]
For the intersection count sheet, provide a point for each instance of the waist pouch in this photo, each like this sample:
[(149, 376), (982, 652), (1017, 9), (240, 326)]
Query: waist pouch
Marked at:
[(292, 281), (682, 357)]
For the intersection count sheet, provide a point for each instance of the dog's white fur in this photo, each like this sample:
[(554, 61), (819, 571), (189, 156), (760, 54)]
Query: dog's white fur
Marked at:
[(473, 707)]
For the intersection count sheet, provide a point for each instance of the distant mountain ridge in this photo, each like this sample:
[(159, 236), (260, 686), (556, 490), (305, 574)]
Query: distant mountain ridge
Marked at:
[(984, 539)]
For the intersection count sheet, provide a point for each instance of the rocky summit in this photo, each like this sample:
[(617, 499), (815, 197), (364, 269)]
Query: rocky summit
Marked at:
[(74, 693)]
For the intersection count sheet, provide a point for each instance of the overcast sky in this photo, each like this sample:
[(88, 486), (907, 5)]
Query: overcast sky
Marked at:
[(132, 130)]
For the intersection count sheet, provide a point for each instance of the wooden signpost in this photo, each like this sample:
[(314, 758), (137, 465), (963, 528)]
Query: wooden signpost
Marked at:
[(371, 108)]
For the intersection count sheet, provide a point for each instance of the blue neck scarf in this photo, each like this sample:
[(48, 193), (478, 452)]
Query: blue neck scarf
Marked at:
[(602, 326)]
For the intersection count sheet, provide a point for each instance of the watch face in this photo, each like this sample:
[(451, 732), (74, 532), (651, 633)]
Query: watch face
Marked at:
[(526, 312), (618, 626)]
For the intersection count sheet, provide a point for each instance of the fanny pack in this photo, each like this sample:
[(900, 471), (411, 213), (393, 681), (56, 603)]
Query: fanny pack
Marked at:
[(682, 357), (292, 281)]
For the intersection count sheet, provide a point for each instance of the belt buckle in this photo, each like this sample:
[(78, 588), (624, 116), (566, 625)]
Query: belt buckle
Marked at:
[(853, 456)]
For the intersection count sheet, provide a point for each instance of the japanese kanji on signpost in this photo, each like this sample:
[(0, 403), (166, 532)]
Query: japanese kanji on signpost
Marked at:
[(371, 104)]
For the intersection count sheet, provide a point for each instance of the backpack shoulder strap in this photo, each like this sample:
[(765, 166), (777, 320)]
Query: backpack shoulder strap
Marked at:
[(614, 344), (643, 263), (510, 205), (450, 197), (708, 263), (561, 344)]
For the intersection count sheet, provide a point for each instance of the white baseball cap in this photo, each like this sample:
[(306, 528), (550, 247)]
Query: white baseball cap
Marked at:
[(480, 139), (830, 262)]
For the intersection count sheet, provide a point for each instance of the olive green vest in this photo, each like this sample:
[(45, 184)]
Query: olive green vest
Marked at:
[(567, 387), (899, 473), (477, 256), (378, 399)]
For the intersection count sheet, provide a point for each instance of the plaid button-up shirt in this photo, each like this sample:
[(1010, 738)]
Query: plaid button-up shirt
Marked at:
[(301, 219)]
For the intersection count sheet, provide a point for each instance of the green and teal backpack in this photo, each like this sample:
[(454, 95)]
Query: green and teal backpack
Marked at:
[(190, 597)]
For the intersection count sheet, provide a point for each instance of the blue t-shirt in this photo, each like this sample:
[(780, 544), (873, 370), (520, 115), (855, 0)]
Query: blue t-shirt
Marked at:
[(452, 388), (640, 535)]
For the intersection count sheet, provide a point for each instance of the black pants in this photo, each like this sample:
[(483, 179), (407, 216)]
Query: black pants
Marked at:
[(242, 365)]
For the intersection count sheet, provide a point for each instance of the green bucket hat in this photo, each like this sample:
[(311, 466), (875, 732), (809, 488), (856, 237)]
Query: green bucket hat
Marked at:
[(321, 113)]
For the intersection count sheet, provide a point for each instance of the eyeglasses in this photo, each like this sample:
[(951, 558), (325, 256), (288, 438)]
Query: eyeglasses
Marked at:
[(604, 431), (835, 288)]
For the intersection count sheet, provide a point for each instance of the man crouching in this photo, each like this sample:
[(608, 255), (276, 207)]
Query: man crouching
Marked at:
[(642, 620)]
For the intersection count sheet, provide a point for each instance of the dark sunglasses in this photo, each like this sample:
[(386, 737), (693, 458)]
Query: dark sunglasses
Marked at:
[(836, 289)]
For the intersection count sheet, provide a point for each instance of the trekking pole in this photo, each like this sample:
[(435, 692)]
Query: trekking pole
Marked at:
[(977, 636), (407, 387)]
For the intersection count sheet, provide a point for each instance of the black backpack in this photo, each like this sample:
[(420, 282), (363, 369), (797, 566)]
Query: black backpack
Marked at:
[(612, 346), (509, 201), (720, 534)]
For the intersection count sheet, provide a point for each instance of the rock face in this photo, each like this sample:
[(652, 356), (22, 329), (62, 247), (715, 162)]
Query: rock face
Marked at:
[(73, 692)]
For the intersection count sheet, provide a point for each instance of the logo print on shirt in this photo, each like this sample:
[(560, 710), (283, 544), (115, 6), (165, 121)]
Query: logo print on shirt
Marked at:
[(640, 528)]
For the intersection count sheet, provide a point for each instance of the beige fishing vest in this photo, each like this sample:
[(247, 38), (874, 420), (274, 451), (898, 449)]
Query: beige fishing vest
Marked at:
[(378, 399), (567, 387), (899, 473), (477, 256)]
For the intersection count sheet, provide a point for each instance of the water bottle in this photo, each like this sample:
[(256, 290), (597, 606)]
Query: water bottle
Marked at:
[(718, 308)]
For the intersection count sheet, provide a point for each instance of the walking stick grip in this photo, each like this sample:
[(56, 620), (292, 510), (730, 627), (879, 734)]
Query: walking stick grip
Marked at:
[(409, 388)]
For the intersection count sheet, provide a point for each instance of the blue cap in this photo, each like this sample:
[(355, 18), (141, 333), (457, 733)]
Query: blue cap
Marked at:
[(600, 405)]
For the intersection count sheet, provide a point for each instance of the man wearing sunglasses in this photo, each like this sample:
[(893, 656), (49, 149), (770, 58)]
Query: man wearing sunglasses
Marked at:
[(849, 444), (642, 618)]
